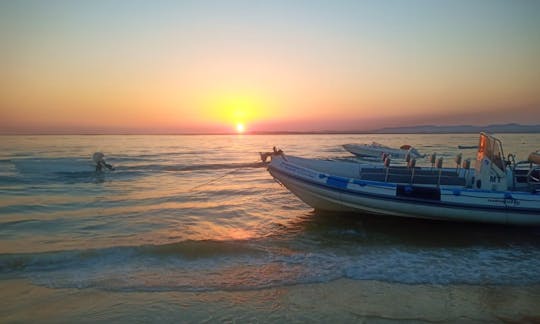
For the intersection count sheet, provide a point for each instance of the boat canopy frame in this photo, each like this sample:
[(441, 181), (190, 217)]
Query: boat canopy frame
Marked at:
[(491, 148)]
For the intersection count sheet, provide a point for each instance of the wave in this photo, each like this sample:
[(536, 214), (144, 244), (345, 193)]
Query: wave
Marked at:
[(182, 250), (53, 165), (80, 165), (149, 156), (246, 265), (193, 167), (77, 170)]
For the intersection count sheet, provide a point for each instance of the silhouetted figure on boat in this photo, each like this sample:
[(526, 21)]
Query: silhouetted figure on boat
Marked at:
[(99, 160), (266, 155)]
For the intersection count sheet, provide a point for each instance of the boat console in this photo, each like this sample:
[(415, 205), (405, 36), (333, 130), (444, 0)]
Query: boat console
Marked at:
[(495, 173)]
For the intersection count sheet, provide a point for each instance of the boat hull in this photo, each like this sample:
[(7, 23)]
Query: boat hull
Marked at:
[(324, 191)]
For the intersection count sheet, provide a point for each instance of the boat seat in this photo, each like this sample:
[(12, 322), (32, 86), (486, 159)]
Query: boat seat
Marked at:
[(521, 175), (407, 171), (430, 179)]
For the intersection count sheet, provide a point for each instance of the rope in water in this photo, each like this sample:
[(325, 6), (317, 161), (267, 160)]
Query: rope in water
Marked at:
[(220, 177)]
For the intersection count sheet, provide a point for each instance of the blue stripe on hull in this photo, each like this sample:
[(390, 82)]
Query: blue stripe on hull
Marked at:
[(337, 182)]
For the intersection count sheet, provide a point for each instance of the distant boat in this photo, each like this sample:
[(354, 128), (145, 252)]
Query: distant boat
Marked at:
[(377, 150), (495, 190), (467, 147)]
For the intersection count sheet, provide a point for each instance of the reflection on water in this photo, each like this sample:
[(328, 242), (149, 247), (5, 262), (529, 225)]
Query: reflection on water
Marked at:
[(194, 218), (420, 232)]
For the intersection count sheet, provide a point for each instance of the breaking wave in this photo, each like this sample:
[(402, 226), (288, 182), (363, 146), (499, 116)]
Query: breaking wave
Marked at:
[(245, 265)]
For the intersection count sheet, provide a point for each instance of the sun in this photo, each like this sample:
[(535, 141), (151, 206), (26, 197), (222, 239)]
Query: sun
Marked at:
[(240, 128)]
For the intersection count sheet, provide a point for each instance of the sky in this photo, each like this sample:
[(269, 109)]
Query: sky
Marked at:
[(209, 66)]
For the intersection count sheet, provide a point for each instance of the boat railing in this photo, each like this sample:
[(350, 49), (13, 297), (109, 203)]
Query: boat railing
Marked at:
[(525, 174), (533, 177)]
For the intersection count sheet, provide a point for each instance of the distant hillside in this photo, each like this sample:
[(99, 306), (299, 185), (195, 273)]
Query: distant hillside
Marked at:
[(434, 129)]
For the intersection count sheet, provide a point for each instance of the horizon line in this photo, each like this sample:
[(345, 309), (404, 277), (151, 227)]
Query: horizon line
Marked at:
[(257, 133), (416, 129)]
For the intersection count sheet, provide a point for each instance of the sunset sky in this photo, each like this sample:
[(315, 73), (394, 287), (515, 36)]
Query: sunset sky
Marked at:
[(207, 66)]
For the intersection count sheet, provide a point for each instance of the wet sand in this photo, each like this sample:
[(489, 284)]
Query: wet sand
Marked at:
[(342, 300)]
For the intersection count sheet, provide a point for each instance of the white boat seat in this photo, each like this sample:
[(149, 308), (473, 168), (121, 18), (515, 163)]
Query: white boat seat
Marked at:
[(406, 171), (396, 175)]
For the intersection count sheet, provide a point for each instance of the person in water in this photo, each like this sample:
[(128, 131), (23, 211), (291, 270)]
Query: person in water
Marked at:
[(99, 160)]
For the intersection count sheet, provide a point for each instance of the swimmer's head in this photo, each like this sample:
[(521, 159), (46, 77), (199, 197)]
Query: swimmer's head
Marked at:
[(98, 157)]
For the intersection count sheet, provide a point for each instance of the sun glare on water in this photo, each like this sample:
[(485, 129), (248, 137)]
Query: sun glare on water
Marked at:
[(240, 128)]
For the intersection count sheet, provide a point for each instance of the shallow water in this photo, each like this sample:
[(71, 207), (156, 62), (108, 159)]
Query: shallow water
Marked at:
[(201, 215)]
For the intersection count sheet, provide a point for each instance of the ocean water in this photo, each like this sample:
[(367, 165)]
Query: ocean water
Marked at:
[(193, 228)]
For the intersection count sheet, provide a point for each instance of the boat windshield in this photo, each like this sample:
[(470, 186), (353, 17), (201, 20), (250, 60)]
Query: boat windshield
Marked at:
[(491, 148)]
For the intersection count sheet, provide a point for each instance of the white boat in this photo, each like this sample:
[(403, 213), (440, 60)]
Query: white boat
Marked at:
[(494, 190), (377, 150)]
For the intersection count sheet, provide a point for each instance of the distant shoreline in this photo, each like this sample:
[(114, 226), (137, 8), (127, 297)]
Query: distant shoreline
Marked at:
[(253, 134), (510, 128)]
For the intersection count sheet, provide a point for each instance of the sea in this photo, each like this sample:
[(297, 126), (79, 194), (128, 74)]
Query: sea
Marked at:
[(192, 228)]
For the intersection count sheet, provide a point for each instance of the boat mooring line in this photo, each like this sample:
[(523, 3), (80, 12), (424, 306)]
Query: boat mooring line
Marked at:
[(219, 178)]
